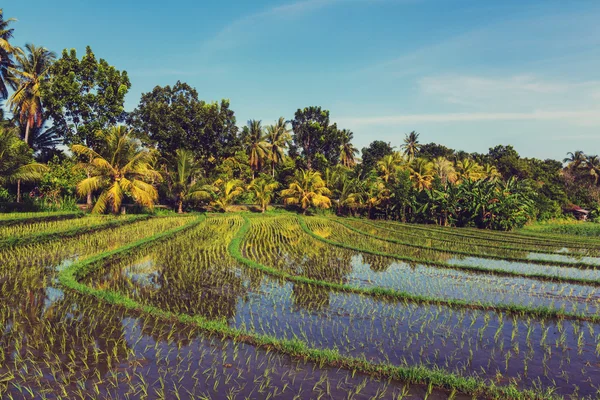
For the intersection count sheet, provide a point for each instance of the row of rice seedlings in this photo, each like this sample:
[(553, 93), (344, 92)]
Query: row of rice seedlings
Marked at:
[(577, 229), (32, 267), (29, 217), (469, 246), (400, 333), (263, 309), (30, 228), (517, 239), (80, 348), (335, 234), (281, 244)]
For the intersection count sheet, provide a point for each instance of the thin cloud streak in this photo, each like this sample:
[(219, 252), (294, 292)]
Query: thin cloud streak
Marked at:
[(591, 117)]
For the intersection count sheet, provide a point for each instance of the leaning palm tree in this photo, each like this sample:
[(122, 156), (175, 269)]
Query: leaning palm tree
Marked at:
[(264, 190), (411, 145), (347, 149), (182, 179), (258, 148), (15, 161), (575, 159), (120, 168), (7, 51), (278, 137), (307, 189), (27, 75)]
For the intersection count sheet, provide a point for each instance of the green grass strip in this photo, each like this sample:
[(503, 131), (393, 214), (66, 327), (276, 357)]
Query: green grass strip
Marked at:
[(581, 265), (295, 348), (543, 312), (49, 236), (45, 217)]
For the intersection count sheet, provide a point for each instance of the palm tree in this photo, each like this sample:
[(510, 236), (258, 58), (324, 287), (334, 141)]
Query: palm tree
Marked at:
[(225, 192), (182, 181), (120, 167), (7, 51), (491, 172), (592, 165), (278, 137), (575, 160), (469, 170), (421, 173), (347, 149), (264, 191), (443, 169), (411, 145), (389, 165), (28, 74), (258, 147), (307, 189), (15, 161)]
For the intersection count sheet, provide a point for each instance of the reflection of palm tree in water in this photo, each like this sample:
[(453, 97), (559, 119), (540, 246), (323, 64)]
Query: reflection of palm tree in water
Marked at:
[(377, 263)]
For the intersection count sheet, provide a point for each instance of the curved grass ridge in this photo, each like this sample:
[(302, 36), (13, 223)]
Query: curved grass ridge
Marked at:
[(581, 265), (70, 277), (49, 236), (458, 267), (394, 294), (532, 249), (41, 218)]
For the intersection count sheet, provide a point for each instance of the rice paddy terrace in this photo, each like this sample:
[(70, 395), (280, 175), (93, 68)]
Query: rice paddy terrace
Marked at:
[(287, 306)]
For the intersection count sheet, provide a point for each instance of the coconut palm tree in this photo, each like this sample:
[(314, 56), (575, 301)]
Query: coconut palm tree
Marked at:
[(347, 149), (27, 75), (307, 189), (491, 172), (258, 148), (575, 159), (469, 170), (182, 179), (7, 51), (264, 190), (389, 165), (443, 169), (421, 173), (592, 166), (411, 145), (15, 161), (225, 192), (120, 167), (278, 137)]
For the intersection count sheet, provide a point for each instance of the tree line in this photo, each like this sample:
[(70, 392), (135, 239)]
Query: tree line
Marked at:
[(68, 140)]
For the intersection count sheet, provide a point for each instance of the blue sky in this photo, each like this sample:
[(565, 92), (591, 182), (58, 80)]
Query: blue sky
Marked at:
[(469, 74)]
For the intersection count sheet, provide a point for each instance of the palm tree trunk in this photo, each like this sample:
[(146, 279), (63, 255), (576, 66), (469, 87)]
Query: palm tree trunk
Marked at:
[(19, 191), (273, 169), (180, 207), (27, 132)]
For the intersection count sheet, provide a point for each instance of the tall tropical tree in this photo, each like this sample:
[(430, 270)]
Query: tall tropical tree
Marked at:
[(278, 137), (347, 149), (411, 145), (7, 51), (575, 159), (182, 179), (469, 169), (119, 167), (389, 165), (307, 189), (592, 166), (16, 161), (444, 170), (30, 71), (421, 173), (264, 190), (258, 147)]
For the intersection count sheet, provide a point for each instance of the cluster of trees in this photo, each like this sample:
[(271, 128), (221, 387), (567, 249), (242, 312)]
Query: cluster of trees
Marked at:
[(69, 139)]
